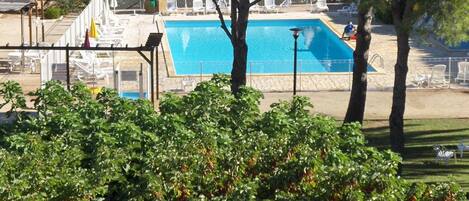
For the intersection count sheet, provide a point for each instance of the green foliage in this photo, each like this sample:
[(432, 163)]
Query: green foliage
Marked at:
[(53, 13), (207, 145), (449, 19), (384, 14), (13, 95)]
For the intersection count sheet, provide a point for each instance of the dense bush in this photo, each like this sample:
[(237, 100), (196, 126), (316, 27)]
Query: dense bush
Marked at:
[(384, 14), (53, 13), (207, 145)]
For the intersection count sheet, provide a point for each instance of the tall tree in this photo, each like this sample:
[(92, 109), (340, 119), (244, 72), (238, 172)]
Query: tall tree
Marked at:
[(239, 23), (448, 19), (356, 106)]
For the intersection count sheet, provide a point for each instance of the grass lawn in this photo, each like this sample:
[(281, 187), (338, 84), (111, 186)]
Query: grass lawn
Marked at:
[(419, 158)]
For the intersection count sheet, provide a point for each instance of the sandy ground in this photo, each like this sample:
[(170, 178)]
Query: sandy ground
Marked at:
[(419, 104)]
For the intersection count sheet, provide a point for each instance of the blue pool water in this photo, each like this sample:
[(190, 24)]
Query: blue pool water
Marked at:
[(202, 47), (132, 95)]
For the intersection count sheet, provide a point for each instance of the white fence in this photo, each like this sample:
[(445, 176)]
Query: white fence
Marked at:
[(71, 37)]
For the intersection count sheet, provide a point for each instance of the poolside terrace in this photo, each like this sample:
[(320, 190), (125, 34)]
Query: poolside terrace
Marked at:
[(383, 48)]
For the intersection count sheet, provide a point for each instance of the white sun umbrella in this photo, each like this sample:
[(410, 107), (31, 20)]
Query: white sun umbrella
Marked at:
[(114, 5)]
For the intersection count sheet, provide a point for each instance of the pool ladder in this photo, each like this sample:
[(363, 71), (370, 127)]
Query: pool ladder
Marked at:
[(374, 57)]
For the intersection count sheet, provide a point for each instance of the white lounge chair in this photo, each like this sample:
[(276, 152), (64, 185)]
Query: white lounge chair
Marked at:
[(188, 82), (438, 76), (256, 7), (210, 7), (198, 6), (171, 6), (319, 6), (443, 154), (91, 70), (350, 10), (285, 3), (463, 71), (270, 6), (421, 80), (224, 5)]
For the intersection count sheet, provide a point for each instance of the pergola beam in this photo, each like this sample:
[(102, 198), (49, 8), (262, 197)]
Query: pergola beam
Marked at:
[(153, 41)]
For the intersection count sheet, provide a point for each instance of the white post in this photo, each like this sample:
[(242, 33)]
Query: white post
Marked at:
[(299, 74), (449, 71)]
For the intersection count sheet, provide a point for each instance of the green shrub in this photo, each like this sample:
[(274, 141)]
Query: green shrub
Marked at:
[(53, 13), (207, 145), (384, 14)]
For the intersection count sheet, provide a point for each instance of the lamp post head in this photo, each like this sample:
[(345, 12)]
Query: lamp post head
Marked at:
[(296, 32)]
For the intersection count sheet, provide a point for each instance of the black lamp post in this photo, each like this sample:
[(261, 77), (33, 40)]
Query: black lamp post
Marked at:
[(296, 33)]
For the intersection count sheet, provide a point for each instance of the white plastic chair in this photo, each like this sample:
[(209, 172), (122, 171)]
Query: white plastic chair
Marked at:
[(319, 6), (171, 6), (256, 7), (210, 7), (270, 6), (463, 71), (438, 76), (350, 10), (187, 82), (443, 154), (198, 6)]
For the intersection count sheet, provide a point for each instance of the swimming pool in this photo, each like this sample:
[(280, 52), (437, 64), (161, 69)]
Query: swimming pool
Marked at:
[(132, 95), (202, 47)]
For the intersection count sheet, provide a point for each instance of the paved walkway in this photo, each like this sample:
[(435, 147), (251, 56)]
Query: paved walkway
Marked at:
[(419, 104)]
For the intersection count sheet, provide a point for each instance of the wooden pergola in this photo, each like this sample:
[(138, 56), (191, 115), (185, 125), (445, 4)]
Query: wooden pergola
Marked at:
[(153, 41), (25, 6)]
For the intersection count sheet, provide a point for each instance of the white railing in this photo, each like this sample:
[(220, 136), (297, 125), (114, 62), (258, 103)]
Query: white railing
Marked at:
[(74, 32)]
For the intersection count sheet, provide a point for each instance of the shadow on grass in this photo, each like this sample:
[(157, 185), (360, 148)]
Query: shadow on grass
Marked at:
[(425, 137)]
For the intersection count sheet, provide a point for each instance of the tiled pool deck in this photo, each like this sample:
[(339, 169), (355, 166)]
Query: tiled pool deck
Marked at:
[(383, 44)]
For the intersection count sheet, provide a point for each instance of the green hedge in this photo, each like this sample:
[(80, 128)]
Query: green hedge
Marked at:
[(53, 13), (207, 145), (384, 15)]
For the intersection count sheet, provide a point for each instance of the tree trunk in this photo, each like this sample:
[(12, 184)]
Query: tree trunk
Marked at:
[(396, 119), (240, 47), (238, 72), (356, 106), (400, 12)]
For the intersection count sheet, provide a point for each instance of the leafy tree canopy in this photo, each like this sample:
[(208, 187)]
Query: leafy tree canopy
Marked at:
[(448, 19), (207, 145)]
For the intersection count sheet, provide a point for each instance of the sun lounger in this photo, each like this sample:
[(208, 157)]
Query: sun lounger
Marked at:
[(198, 6), (438, 76), (350, 10), (210, 7), (443, 154), (91, 70), (255, 8), (463, 72), (171, 6), (270, 6), (319, 6)]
